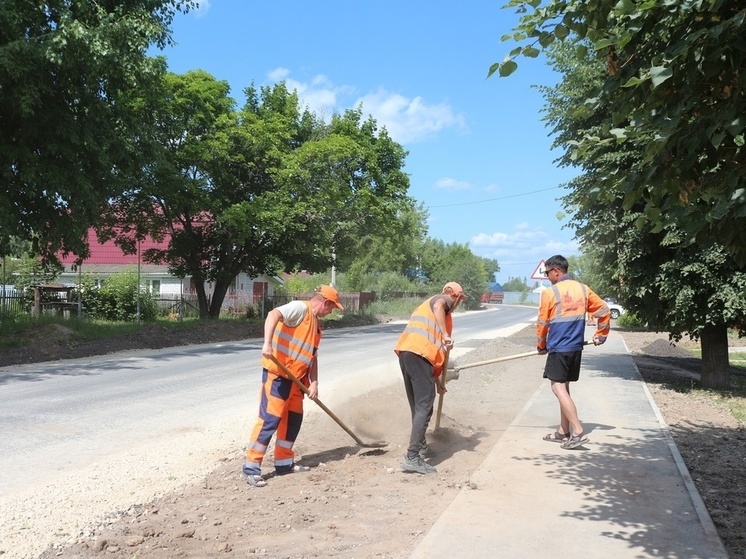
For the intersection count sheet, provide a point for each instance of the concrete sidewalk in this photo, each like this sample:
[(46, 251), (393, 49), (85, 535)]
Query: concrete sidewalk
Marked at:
[(627, 494)]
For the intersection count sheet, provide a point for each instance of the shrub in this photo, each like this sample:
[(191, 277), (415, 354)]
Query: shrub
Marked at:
[(117, 298), (629, 320)]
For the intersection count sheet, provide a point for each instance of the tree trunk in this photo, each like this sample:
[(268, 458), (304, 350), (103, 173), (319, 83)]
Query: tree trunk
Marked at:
[(218, 296), (715, 363), (204, 304)]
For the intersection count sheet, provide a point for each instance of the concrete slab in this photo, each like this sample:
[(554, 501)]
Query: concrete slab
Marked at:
[(627, 494)]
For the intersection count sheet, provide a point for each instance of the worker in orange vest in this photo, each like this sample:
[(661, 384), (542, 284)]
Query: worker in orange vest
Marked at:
[(560, 331), (422, 349), (292, 334)]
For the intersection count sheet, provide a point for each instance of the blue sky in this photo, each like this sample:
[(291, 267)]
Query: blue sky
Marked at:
[(479, 154)]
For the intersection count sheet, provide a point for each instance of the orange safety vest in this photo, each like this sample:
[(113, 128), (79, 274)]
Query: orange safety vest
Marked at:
[(423, 337), (561, 322), (295, 347)]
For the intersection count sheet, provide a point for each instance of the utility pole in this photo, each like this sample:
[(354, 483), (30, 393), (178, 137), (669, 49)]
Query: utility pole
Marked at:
[(334, 267)]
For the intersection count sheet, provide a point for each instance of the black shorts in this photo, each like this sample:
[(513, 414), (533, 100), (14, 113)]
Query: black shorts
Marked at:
[(563, 367)]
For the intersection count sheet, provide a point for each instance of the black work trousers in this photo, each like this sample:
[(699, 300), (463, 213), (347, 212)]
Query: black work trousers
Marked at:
[(420, 386)]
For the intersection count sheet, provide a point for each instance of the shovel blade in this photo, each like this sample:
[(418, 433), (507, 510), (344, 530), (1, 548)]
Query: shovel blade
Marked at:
[(375, 444)]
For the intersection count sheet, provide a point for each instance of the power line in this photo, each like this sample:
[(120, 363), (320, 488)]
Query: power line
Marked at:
[(493, 199)]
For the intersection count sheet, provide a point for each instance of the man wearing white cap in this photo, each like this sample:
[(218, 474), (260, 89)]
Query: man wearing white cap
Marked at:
[(422, 349)]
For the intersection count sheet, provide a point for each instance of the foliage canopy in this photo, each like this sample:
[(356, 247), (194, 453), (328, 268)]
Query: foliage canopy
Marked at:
[(674, 86), (64, 132)]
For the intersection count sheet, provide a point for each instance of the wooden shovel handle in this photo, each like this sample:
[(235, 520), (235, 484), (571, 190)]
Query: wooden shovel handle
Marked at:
[(329, 412), (499, 359), (441, 381)]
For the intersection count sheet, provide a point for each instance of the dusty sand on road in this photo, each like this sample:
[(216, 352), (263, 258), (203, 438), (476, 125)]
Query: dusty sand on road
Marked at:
[(355, 502)]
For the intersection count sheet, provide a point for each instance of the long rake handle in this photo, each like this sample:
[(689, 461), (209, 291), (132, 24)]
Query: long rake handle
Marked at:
[(498, 359), (329, 412)]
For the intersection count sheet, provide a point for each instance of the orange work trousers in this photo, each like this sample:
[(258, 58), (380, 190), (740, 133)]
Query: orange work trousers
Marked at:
[(280, 414)]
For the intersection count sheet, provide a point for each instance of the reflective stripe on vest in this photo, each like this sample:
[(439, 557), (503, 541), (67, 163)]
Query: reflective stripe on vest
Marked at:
[(423, 337), (571, 303), (295, 347)]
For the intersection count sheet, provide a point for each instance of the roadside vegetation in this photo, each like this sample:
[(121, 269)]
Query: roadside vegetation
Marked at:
[(658, 201), (19, 330)]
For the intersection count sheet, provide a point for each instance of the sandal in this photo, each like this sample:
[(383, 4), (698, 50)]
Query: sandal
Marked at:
[(575, 441), (297, 468), (557, 437), (255, 480)]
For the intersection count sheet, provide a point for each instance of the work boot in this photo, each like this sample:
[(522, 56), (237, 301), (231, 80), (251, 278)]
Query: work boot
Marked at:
[(424, 450), (417, 465)]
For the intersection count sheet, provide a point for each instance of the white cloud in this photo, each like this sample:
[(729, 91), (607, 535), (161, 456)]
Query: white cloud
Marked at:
[(320, 95), (519, 251), (406, 120), (278, 74), (448, 183), (520, 238), (202, 7), (409, 120)]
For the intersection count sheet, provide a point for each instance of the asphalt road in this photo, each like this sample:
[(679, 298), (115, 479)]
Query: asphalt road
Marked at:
[(57, 417)]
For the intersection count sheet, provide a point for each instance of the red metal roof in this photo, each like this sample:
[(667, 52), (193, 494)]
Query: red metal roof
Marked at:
[(110, 253)]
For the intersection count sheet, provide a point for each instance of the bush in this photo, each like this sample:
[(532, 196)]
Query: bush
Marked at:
[(629, 320), (117, 299)]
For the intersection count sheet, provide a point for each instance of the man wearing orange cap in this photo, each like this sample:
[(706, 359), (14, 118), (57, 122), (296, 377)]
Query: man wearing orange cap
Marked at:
[(292, 334), (422, 349)]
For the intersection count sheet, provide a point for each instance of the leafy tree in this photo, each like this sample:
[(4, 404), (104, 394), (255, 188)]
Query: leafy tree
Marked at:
[(441, 263), (588, 268), (674, 86), (174, 195), (656, 272), (266, 189), (296, 284), (393, 247), (697, 290), (65, 135), (516, 284), (31, 270), (355, 192), (676, 73)]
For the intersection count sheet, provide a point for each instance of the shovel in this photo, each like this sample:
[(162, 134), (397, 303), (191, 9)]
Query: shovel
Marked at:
[(304, 389)]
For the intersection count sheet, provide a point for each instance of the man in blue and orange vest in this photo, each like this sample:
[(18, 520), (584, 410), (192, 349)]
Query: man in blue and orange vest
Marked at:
[(422, 349), (560, 331), (292, 335)]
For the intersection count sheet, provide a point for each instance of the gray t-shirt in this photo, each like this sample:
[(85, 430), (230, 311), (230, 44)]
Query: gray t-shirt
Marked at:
[(293, 312)]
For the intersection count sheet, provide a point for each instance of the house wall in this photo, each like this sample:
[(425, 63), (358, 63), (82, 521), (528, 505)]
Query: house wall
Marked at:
[(166, 285), (243, 284)]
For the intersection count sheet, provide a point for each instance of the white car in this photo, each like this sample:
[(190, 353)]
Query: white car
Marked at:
[(616, 310)]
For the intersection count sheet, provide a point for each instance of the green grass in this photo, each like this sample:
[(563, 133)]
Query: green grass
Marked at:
[(397, 308), (735, 358), (734, 401)]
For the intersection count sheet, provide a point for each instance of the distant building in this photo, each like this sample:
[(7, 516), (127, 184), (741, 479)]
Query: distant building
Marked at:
[(107, 259)]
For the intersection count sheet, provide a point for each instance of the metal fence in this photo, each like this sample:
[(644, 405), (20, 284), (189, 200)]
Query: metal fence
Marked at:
[(244, 305), (14, 304)]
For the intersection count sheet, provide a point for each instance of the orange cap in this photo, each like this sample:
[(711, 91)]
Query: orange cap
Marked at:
[(455, 288), (330, 294)]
